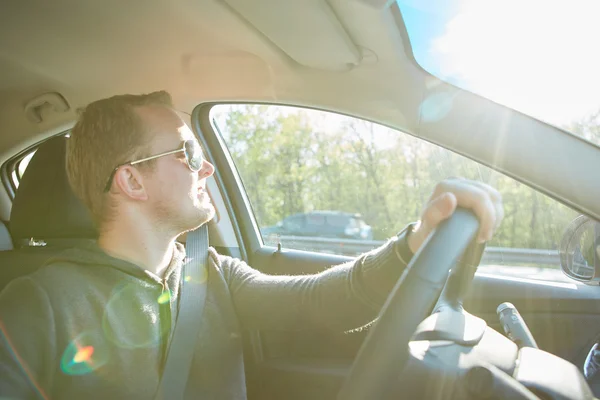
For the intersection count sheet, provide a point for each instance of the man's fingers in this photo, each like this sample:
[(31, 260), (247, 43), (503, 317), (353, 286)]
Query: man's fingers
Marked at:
[(481, 198), (438, 209), (496, 198), (485, 210)]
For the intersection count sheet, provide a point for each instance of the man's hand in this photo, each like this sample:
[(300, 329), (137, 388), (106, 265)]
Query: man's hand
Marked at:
[(485, 201)]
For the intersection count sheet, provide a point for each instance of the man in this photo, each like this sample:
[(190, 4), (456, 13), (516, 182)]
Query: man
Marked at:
[(105, 310)]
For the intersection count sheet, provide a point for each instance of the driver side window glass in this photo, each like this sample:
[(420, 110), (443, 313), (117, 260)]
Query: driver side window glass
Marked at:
[(325, 182), (293, 224)]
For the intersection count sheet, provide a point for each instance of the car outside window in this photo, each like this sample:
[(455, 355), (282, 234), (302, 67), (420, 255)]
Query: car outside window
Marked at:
[(293, 224), (339, 221), (331, 169), (315, 221)]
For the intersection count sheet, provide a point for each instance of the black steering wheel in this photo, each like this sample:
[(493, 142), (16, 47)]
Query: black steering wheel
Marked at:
[(384, 353)]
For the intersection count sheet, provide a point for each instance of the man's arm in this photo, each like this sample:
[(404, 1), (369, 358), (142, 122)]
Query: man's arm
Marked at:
[(343, 297), (27, 341), (350, 295)]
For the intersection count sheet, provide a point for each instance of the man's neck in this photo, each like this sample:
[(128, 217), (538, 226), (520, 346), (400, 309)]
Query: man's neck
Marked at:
[(140, 244)]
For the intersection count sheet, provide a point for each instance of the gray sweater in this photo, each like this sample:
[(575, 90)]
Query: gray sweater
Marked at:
[(91, 326)]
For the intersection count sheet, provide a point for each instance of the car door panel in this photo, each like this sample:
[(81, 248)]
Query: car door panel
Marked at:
[(307, 364), (309, 343), (564, 318)]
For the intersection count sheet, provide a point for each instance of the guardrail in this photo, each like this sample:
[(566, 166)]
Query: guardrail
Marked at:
[(349, 247)]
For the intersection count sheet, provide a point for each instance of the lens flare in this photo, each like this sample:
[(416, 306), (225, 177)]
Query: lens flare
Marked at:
[(85, 354), (5, 337), (130, 322), (200, 279), (437, 105), (164, 297)]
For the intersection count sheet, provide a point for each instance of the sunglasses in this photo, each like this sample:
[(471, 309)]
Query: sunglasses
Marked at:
[(193, 158)]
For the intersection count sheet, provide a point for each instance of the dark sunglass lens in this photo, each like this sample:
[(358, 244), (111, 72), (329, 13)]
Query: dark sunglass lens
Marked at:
[(193, 154)]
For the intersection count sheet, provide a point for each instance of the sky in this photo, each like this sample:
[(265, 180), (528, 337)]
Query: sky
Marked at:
[(540, 57)]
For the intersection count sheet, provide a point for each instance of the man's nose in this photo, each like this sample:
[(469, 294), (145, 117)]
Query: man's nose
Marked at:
[(207, 170)]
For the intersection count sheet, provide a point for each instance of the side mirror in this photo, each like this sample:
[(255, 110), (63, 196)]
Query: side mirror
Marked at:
[(580, 250)]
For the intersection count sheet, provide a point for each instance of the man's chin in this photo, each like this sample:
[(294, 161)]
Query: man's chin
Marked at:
[(210, 214), (205, 215)]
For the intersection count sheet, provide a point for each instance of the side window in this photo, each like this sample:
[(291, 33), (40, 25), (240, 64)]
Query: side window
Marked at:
[(19, 169), (370, 181), (316, 224), (293, 224), (352, 227)]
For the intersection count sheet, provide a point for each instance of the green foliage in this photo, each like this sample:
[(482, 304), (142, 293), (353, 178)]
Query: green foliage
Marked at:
[(588, 128), (293, 160)]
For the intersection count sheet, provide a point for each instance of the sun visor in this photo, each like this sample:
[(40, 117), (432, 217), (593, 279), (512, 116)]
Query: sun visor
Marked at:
[(308, 31)]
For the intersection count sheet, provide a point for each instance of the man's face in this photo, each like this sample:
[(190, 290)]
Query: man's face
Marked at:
[(177, 196)]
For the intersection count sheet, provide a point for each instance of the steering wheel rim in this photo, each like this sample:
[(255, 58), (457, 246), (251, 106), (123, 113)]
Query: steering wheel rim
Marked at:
[(384, 353)]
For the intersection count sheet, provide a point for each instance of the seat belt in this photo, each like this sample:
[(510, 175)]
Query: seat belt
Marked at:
[(187, 326)]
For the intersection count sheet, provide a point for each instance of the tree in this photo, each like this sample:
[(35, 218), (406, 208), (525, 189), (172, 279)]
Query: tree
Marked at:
[(269, 147), (588, 128), (293, 160)]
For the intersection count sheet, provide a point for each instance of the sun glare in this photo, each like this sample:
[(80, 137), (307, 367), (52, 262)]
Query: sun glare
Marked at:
[(539, 57)]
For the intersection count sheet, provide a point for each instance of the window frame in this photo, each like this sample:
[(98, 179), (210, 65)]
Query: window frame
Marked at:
[(11, 166), (231, 180)]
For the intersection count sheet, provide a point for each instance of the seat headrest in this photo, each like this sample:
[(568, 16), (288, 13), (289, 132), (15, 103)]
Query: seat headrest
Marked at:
[(45, 207), (5, 239)]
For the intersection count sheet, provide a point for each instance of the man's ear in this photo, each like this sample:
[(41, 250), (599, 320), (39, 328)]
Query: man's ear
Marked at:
[(130, 182)]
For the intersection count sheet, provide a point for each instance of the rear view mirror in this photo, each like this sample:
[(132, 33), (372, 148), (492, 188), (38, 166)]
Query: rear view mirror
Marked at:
[(580, 250)]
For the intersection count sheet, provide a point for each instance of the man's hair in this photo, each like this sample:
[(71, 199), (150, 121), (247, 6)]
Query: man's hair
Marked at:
[(109, 132)]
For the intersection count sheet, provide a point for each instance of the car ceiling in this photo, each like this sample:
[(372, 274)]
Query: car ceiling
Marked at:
[(349, 56)]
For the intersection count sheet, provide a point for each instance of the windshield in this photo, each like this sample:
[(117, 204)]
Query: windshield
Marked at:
[(536, 56)]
